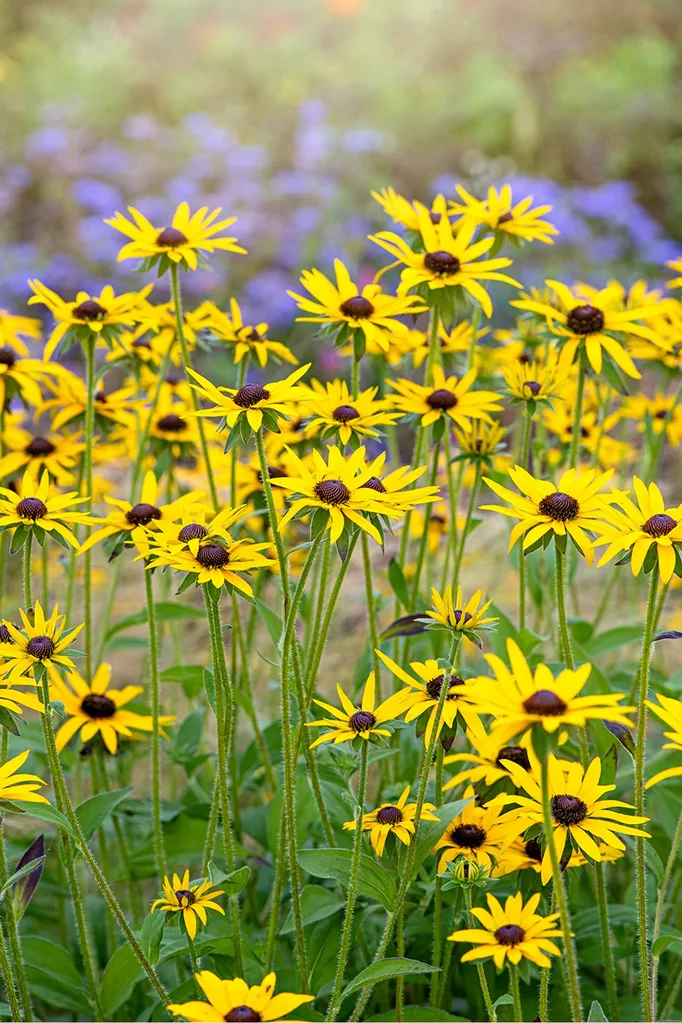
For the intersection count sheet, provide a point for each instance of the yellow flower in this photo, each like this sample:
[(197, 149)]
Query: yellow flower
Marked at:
[(350, 722), (333, 413), (191, 900), (42, 642), (21, 377), (234, 999), (246, 340), (675, 264), (520, 698), (20, 786), (187, 235), (594, 437), (392, 488), (480, 440), (458, 616), (452, 342), (670, 713), (544, 509), (13, 330), (172, 425), (487, 760), (404, 212), (103, 314), (447, 397), (69, 399), (449, 260), (396, 818), (514, 933), (57, 453), (34, 509), (97, 708), (258, 403), (579, 813), (662, 412), (538, 380), (344, 305), (648, 529), (499, 213), (474, 833)]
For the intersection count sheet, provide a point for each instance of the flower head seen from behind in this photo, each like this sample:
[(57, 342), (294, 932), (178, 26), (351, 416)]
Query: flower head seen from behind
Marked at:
[(392, 818), (501, 214), (447, 397), (512, 933), (37, 509), (670, 713), (39, 643), (189, 235), (190, 900), (260, 405), (350, 722), (234, 1001), (456, 616), (23, 787)]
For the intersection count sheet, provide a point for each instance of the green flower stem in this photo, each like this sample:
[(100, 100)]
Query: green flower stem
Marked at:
[(564, 636), (469, 513), (13, 935), (453, 488), (355, 375), (224, 713), (400, 980), (405, 534), (351, 895), (159, 846), (605, 601), (640, 759), (186, 364), (144, 436), (475, 323), (241, 380), (483, 983), (526, 462), (8, 980), (314, 627), (515, 992), (672, 991), (194, 961), (67, 857), (89, 439), (26, 566), (109, 935), (211, 827), (660, 907), (245, 679), (406, 877), (424, 540), (545, 974), (434, 347), (121, 841), (577, 415), (371, 612), (449, 951), (562, 903), (602, 901), (438, 891)]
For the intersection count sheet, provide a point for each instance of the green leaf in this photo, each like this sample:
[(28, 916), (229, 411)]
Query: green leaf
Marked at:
[(271, 621), (597, 1014), (120, 976), (384, 970), (8, 720), (613, 639), (317, 903), (232, 882), (431, 831), (664, 942), (165, 611), (44, 812), (408, 625), (94, 811), (375, 882), (46, 955), (22, 872), (190, 677), (151, 934), (503, 1000), (397, 581)]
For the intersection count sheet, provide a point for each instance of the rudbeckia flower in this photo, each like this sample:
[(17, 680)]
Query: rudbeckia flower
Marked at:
[(57, 453), (350, 721), (22, 378), (254, 401), (546, 510), (499, 213), (448, 396), (479, 440), (69, 399), (487, 759), (103, 314), (579, 813), (334, 414), (172, 426), (670, 713), (13, 330), (345, 306), (519, 698), (514, 933), (244, 340), (404, 212), (97, 707), (456, 616), (35, 508), (37, 643), (188, 234), (392, 487), (659, 413), (20, 786), (450, 260), (190, 900), (474, 833), (648, 529), (234, 1000), (537, 380), (392, 818), (452, 342)]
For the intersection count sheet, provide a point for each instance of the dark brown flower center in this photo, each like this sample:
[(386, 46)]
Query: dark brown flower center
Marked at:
[(212, 555), (457, 614), (243, 1014), (187, 895), (7, 357), (171, 423), (192, 531), (101, 397), (173, 379), (357, 307), (170, 238), (97, 705), (344, 413), (89, 311), (534, 850), (332, 491), (435, 685), (510, 934), (469, 836), (442, 264), (545, 703), (141, 342), (505, 218), (659, 525), (39, 446), (374, 483), (5, 636), (250, 394), (585, 319), (560, 507), (362, 721), (533, 386), (568, 810), (31, 508), (40, 647), (273, 474), (142, 514), (517, 755), (442, 399), (389, 815)]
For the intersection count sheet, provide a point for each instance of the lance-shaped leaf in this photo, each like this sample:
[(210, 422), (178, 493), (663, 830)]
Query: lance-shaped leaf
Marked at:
[(408, 625), (24, 880), (623, 734), (668, 634)]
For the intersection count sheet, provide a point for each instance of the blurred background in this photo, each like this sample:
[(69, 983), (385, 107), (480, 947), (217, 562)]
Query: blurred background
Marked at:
[(287, 112)]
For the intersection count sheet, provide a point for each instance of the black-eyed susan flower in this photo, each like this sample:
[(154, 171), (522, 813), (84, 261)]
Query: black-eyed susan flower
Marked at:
[(658, 413), (457, 616), (649, 530), (579, 813), (502, 215), (449, 396), (487, 758), (547, 511), (423, 695), (23, 787), (259, 405), (98, 708), (244, 340), (13, 330), (104, 315), (479, 441), (234, 1001), (392, 818), (21, 378), (67, 397), (188, 235), (538, 380), (172, 426), (404, 212), (458, 339), (190, 900), (350, 722), (519, 698), (394, 485), (512, 933), (474, 834), (333, 414), (57, 453), (337, 486), (449, 260), (38, 643), (344, 307), (37, 509), (670, 713)]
